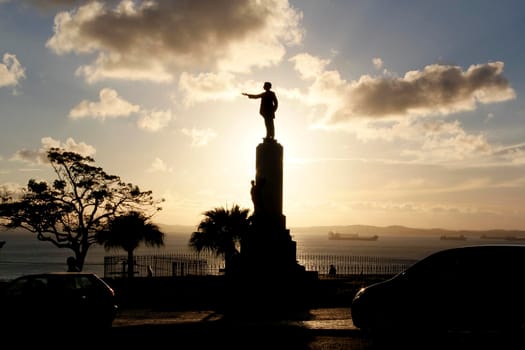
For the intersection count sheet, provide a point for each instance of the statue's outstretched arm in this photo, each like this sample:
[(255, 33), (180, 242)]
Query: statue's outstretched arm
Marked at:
[(252, 96)]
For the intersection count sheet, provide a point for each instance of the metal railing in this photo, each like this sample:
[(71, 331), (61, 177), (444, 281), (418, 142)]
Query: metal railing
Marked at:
[(182, 264), (346, 265)]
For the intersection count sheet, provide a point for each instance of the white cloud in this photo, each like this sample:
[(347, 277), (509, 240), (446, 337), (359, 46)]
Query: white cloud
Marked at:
[(110, 105), (431, 141), (435, 90), (326, 93), (377, 62), (154, 120), (208, 87), (308, 66), (514, 153), (11, 71), (40, 156), (407, 108), (199, 137), (155, 40), (160, 166)]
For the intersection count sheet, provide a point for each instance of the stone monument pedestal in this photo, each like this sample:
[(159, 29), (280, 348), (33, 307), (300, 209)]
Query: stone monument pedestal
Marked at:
[(269, 248), (268, 272)]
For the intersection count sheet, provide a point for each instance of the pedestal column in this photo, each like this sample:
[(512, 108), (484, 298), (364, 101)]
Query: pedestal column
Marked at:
[(269, 246)]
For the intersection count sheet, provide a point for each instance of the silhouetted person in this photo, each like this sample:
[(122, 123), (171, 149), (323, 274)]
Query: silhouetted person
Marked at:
[(332, 271), (72, 264), (268, 107)]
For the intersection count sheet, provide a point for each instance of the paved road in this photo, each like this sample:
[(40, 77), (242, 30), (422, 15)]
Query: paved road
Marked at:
[(337, 319), (317, 329), (327, 328)]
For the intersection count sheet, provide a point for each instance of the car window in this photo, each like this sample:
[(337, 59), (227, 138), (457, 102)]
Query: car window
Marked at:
[(427, 268), (27, 286), (84, 282), (39, 284), (469, 268), (61, 283), (439, 268)]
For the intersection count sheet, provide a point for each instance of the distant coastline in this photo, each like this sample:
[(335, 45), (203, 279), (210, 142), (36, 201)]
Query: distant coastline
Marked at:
[(365, 230), (505, 237), (398, 230)]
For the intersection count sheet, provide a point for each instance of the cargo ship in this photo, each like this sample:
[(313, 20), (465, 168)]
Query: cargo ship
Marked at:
[(351, 236), (453, 238)]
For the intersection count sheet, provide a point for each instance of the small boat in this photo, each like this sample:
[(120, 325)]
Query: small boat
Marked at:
[(2, 243), (351, 236), (453, 238)]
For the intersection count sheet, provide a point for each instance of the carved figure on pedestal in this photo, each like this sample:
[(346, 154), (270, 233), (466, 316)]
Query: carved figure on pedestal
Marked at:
[(256, 193)]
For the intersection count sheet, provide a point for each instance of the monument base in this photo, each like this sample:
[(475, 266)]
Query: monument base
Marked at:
[(266, 278), (268, 249), (268, 293)]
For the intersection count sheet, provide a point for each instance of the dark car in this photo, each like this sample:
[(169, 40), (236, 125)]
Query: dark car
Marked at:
[(472, 288), (58, 300)]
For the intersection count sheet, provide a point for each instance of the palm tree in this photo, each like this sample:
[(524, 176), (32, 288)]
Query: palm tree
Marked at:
[(220, 232), (127, 232)]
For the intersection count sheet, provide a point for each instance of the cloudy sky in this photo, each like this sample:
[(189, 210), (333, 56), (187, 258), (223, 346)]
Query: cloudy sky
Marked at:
[(390, 112)]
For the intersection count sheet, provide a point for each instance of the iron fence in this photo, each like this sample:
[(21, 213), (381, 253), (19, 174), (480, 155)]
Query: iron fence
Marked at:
[(163, 265), (182, 264), (346, 265)]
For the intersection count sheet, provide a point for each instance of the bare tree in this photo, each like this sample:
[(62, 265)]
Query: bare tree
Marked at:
[(81, 202)]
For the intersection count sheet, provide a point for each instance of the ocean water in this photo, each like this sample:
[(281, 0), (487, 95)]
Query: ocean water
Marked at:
[(23, 253)]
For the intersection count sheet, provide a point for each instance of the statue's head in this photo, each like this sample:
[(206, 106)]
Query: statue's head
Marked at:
[(267, 85)]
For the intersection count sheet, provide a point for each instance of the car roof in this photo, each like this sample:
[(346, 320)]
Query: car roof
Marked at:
[(486, 247), (58, 273), (483, 251)]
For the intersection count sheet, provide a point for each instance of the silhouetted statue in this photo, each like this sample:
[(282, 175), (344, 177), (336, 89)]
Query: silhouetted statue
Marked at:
[(255, 192), (268, 107)]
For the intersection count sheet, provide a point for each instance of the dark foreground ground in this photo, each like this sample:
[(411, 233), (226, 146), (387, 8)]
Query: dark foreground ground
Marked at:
[(314, 329), (144, 329), (189, 313)]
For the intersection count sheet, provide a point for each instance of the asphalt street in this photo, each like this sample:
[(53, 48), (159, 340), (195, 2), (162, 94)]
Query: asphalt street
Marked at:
[(315, 329)]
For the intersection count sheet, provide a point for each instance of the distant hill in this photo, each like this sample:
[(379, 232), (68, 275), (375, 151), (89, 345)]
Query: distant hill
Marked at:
[(168, 229), (394, 230), (397, 230), (177, 228)]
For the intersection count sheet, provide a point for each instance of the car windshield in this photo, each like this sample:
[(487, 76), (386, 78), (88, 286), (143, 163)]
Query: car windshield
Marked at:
[(466, 264)]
